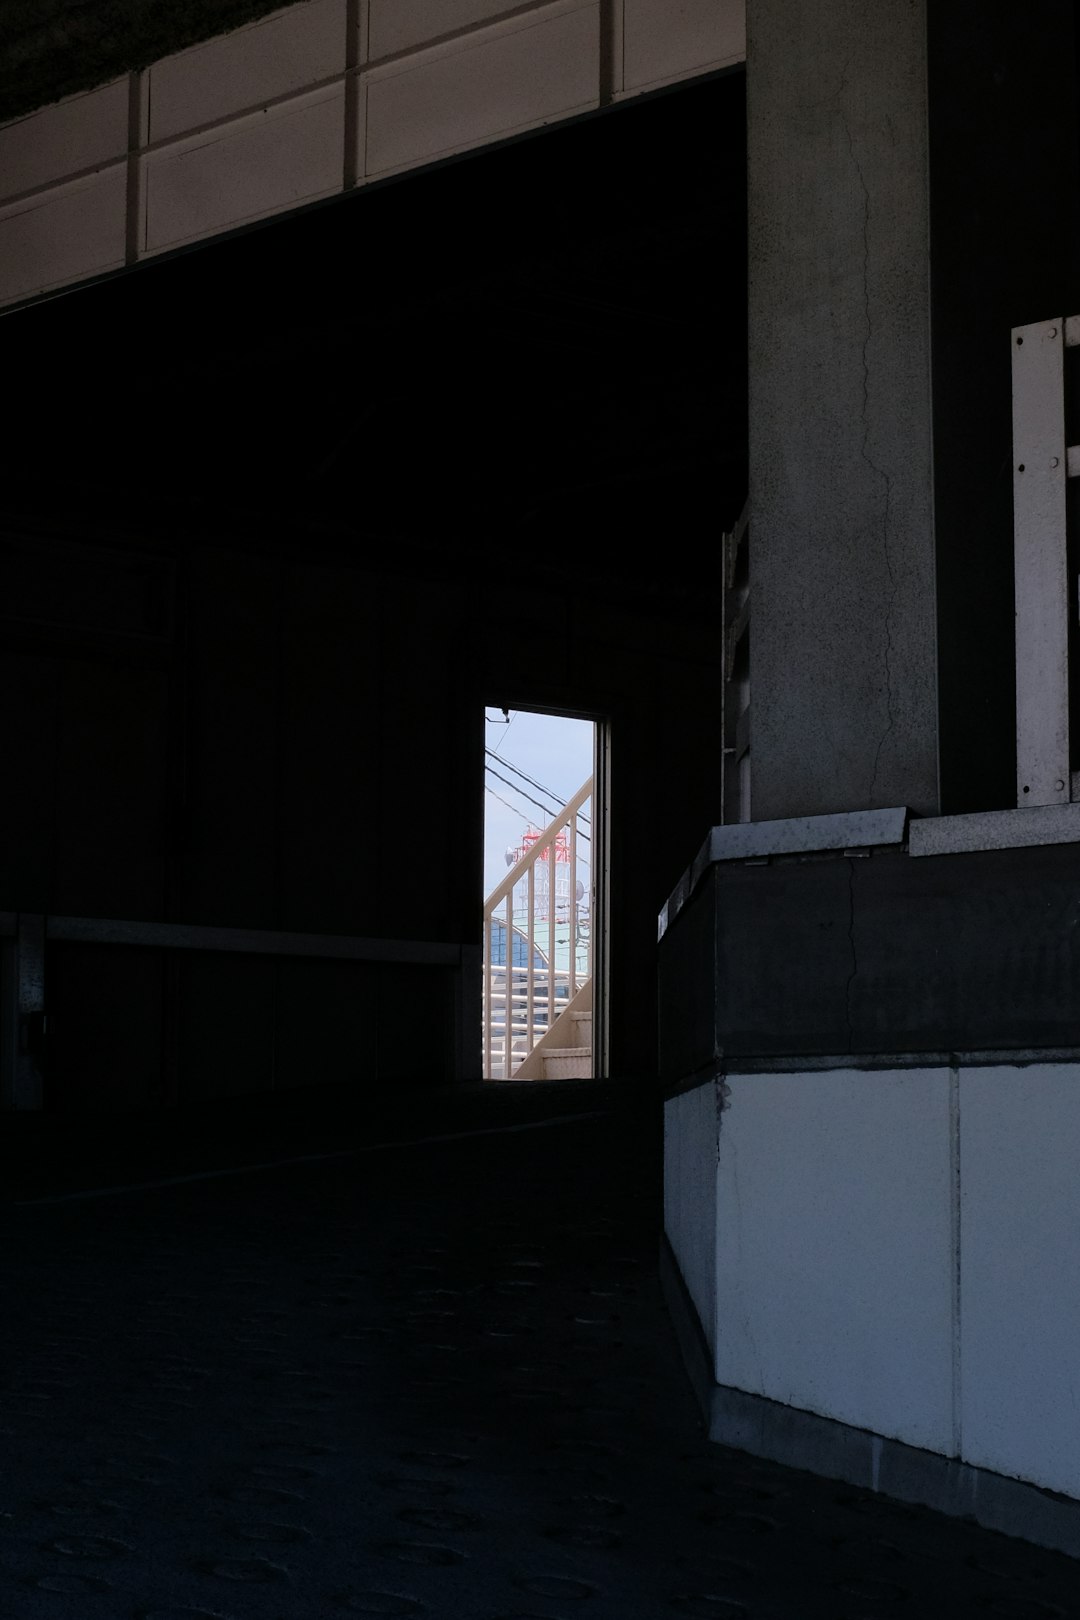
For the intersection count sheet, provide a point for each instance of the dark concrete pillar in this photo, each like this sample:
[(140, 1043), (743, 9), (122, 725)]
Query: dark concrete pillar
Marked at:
[(843, 637)]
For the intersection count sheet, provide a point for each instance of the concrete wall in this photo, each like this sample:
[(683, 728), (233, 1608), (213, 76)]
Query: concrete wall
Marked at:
[(843, 641), (311, 102), (896, 1250)]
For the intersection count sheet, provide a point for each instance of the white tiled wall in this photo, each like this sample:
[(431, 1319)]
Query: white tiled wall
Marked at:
[(897, 1250), (834, 1275), (255, 122), (1020, 1272)]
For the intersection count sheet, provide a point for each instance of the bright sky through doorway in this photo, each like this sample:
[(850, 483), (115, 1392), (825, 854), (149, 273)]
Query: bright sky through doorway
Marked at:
[(555, 752)]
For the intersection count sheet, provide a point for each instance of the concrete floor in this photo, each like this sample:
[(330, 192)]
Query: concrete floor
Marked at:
[(430, 1380)]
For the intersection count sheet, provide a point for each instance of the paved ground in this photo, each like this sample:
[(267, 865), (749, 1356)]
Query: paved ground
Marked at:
[(431, 1380)]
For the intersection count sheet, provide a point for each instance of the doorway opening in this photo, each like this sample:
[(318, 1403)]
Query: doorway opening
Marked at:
[(544, 1007)]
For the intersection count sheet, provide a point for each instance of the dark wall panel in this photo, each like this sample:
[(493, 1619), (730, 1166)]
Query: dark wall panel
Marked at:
[(428, 836), (415, 1024), (226, 1034), (29, 694), (327, 1027), (331, 779), (111, 742), (105, 1005), (86, 751), (230, 853), (325, 761)]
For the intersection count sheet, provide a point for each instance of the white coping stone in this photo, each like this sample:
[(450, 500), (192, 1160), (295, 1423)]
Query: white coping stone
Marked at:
[(995, 829), (849, 829)]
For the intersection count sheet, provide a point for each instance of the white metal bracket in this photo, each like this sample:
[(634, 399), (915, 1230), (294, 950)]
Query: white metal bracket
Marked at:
[(1040, 560)]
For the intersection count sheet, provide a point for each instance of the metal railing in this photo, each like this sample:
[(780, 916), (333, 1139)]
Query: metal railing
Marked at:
[(537, 948), (1044, 570)]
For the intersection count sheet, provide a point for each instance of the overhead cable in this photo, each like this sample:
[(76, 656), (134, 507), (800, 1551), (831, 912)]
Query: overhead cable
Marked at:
[(532, 782), (549, 814)]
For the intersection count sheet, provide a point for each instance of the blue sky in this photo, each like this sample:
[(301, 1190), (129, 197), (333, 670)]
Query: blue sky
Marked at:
[(554, 751)]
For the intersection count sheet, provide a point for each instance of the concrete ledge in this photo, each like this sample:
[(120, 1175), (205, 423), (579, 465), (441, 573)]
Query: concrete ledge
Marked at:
[(1028, 828), (870, 1063), (995, 829), (799, 1439), (799, 835), (860, 953)]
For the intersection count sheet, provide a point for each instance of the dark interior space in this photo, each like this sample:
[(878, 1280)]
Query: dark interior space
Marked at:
[(282, 512)]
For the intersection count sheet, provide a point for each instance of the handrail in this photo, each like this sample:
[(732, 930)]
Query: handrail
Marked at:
[(542, 845), (528, 998)]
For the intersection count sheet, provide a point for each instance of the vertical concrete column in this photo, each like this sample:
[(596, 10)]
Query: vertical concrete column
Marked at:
[(843, 631)]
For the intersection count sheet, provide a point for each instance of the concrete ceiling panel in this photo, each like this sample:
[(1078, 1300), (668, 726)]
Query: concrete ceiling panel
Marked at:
[(279, 56), (484, 87), (245, 172), (74, 134)]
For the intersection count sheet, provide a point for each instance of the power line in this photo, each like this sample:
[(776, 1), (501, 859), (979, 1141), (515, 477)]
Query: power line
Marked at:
[(549, 814), (509, 806), (539, 786), (510, 718), (587, 865)]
